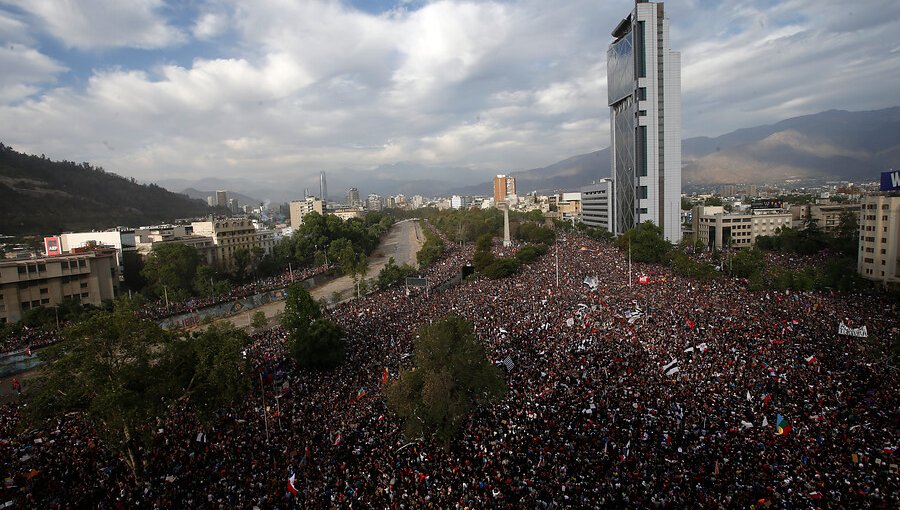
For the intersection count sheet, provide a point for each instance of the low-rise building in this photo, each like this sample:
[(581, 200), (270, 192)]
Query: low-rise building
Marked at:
[(122, 240), (345, 213), (231, 234), (90, 277), (718, 229), (879, 238), (826, 216)]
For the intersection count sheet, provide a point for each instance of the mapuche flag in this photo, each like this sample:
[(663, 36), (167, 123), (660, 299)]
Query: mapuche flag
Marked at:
[(782, 426)]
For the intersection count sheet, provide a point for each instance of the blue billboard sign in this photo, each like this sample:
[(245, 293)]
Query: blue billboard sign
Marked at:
[(890, 180)]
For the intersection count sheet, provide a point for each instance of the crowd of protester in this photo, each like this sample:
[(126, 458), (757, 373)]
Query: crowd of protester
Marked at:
[(161, 309), (662, 395)]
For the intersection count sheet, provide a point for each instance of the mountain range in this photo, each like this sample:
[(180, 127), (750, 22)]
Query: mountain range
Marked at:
[(40, 196), (834, 145)]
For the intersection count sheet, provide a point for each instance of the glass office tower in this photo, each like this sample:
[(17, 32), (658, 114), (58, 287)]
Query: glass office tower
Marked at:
[(644, 92)]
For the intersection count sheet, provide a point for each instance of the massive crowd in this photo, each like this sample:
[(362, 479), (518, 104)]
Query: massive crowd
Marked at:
[(664, 395), (160, 309)]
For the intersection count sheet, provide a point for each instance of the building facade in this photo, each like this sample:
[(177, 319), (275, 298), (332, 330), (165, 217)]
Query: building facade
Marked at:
[(826, 216), (300, 208), (460, 201), (221, 198), (374, 202), (323, 187), (88, 278), (504, 186), (568, 206), (122, 240), (231, 234), (879, 238), (597, 205), (353, 198), (718, 229), (644, 97)]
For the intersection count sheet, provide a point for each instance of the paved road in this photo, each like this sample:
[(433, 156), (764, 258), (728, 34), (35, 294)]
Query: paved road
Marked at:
[(402, 242)]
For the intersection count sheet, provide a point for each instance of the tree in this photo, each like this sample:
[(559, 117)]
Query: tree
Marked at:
[(392, 274), (241, 258), (452, 376), (170, 270), (646, 243), (530, 253), (484, 242), (314, 341), (258, 320), (112, 367), (533, 233), (746, 263), (846, 239), (501, 268), (359, 272), (206, 283), (213, 370)]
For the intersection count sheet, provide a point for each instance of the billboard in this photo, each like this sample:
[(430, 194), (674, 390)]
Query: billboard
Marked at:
[(890, 180), (51, 246), (766, 203)]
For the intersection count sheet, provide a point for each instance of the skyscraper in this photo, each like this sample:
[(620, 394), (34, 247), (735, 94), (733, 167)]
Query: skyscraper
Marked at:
[(644, 92), (221, 198), (323, 188)]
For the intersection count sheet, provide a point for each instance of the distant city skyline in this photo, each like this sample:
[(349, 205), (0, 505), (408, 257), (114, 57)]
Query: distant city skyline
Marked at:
[(162, 90)]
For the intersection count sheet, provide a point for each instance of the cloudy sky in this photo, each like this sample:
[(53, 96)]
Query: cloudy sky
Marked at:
[(161, 89)]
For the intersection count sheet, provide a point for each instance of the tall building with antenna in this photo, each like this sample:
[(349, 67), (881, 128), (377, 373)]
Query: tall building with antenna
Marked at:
[(644, 97)]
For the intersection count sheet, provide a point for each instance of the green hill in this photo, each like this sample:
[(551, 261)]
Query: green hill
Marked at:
[(39, 196)]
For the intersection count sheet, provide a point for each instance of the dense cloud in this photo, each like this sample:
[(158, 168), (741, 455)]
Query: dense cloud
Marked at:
[(277, 87)]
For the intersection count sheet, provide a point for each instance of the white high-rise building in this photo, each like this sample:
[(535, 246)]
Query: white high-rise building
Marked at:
[(644, 92)]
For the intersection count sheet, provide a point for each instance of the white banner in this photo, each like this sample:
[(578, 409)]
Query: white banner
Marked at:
[(859, 332)]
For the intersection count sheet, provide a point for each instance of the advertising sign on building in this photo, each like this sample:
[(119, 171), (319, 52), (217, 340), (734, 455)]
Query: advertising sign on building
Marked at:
[(766, 203), (890, 180), (51, 246)]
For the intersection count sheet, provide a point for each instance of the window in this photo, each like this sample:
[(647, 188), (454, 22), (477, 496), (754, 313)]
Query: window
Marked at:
[(42, 267), (25, 305), (44, 291), (84, 285), (45, 301), (85, 294), (22, 269)]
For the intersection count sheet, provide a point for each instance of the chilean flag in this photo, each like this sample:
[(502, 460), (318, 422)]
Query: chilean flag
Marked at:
[(385, 375), (810, 360), (690, 323), (290, 485)]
